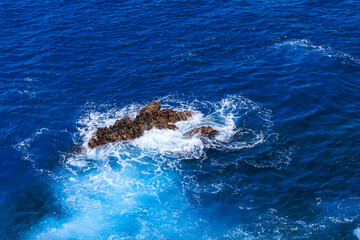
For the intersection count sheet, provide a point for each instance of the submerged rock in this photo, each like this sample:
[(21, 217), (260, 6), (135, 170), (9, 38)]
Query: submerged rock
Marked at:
[(149, 117), (204, 130)]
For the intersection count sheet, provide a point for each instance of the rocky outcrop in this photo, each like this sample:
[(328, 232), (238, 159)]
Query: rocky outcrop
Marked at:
[(204, 131), (127, 129)]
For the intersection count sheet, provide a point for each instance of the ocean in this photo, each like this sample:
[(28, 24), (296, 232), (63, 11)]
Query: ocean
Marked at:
[(278, 79)]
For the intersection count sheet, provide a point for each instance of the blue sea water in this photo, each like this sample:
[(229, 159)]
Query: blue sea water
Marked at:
[(278, 79)]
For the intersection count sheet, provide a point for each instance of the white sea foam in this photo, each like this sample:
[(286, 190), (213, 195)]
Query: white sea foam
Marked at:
[(136, 189), (324, 50), (24, 148), (224, 116), (29, 93)]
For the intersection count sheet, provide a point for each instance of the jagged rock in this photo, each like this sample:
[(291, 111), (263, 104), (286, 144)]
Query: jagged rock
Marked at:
[(209, 131), (127, 129)]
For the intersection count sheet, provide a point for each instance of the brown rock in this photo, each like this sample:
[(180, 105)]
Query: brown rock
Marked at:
[(202, 131), (150, 108), (127, 129)]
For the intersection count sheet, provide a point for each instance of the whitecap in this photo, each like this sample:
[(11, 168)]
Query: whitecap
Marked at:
[(323, 50)]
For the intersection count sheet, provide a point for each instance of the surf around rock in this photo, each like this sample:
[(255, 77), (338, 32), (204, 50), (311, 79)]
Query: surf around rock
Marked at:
[(151, 116)]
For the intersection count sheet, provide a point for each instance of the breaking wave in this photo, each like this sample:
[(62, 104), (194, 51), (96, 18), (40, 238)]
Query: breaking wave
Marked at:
[(140, 189)]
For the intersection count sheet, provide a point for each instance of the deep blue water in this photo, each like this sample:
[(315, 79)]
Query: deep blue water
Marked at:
[(278, 79)]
